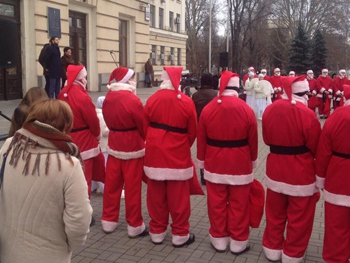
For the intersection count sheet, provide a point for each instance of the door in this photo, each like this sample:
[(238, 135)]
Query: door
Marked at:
[(10, 70), (77, 37)]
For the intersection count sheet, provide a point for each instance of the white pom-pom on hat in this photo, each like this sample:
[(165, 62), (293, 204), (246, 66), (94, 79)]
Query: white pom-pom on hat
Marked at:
[(293, 102), (219, 101), (179, 96), (65, 95)]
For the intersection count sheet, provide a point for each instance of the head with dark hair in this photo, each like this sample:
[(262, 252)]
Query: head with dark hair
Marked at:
[(54, 40), (66, 49), (207, 80)]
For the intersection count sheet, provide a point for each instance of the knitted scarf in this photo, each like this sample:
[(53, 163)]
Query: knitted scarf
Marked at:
[(63, 143)]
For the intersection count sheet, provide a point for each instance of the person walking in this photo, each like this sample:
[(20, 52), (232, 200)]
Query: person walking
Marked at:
[(171, 132), (45, 209), (66, 60), (227, 150), (126, 149), (291, 130), (53, 64), (332, 169)]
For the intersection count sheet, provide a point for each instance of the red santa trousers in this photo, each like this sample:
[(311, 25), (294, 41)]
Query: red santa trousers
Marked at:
[(164, 197), (89, 165), (119, 173), (299, 212), (336, 245), (337, 104), (229, 214), (324, 108)]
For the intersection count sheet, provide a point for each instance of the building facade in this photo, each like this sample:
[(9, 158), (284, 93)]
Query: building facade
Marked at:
[(103, 34)]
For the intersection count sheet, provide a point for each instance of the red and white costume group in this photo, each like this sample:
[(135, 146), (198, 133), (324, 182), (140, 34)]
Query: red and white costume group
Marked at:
[(292, 131)]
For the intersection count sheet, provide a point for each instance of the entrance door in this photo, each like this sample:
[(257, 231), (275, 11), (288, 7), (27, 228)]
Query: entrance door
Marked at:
[(11, 76), (77, 37)]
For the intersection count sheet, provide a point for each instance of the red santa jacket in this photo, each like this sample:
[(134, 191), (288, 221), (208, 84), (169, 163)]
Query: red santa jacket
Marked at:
[(337, 86), (86, 125), (325, 83), (314, 88), (123, 113), (276, 85), (292, 128), (227, 143), (331, 168), (171, 132)]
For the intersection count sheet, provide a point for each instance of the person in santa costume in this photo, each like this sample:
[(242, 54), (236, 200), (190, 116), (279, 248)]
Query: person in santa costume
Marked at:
[(332, 170), (314, 86), (171, 132), (264, 73), (337, 85), (246, 76), (227, 149), (123, 113), (324, 94), (275, 81), (86, 125), (291, 74), (292, 131)]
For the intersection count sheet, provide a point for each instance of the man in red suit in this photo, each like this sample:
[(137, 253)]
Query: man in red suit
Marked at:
[(332, 169), (123, 113), (324, 94), (275, 81), (313, 102), (227, 149), (337, 85), (292, 131), (168, 165)]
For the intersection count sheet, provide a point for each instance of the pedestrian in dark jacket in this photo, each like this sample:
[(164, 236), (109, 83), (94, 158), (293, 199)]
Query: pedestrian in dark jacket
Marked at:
[(53, 64), (66, 60), (45, 70)]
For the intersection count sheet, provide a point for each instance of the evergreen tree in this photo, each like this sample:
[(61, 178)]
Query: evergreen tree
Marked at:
[(299, 53), (318, 52)]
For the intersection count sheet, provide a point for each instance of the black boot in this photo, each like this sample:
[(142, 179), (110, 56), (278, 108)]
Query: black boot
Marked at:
[(202, 176)]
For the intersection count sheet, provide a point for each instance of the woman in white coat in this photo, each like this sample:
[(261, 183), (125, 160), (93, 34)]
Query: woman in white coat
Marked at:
[(249, 90)]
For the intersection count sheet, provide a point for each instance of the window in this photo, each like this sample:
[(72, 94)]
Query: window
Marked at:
[(177, 21), (171, 21), (179, 56), (123, 43), (171, 58), (154, 54), (152, 20), (161, 18), (162, 55)]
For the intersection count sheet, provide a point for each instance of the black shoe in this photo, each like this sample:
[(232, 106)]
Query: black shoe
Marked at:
[(143, 234), (190, 240), (219, 250), (92, 223), (247, 248), (203, 181)]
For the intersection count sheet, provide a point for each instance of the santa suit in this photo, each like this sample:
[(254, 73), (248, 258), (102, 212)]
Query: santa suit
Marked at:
[(228, 169), (171, 132), (325, 84), (313, 101), (337, 85), (292, 132), (123, 113), (276, 85), (246, 77), (86, 125), (332, 169)]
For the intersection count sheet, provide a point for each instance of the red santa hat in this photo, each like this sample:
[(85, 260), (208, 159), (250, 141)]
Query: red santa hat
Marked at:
[(346, 89), (73, 72), (228, 79), (174, 75), (292, 85), (120, 75)]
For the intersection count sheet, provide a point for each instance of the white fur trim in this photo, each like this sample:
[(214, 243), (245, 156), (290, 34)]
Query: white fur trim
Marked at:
[(127, 76), (287, 259), (314, 92), (272, 254), (255, 163), (338, 92), (166, 84), (135, 231), (279, 89), (162, 174), (157, 238), (337, 199), (290, 189), (229, 92), (200, 164), (330, 91), (274, 89), (347, 103), (302, 100), (322, 90), (238, 246), (228, 179), (91, 153), (320, 182), (121, 86), (126, 155), (108, 226), (179, 240), (300, 86), (234, 82), (219, 243)]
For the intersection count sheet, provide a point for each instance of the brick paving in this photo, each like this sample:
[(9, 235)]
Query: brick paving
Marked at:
[(119, 248)]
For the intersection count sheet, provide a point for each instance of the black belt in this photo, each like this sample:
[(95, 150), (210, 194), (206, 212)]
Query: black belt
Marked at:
[(288, 150), (227, 143), (124, 130), (342, 155), (167, 127), (79, 129)]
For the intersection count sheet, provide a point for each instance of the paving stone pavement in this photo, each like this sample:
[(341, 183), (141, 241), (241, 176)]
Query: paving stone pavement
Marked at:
[(119, 248)]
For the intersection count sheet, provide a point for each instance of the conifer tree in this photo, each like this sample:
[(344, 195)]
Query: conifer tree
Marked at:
[(318, 52)]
